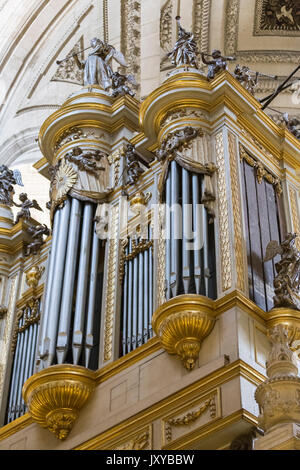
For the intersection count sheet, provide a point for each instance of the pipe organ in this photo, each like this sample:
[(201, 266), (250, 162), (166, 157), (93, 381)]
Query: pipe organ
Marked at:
[(211, 180)]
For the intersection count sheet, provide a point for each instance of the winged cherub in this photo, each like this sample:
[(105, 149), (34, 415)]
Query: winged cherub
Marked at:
[(26, 205), (8, 179)]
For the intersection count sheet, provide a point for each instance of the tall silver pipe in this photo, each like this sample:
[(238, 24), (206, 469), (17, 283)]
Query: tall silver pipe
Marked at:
[(141, 300), (35, 333), (205, 244), (18, 371), (197, 222), (129, 309), (81, 292), (29, 347), (135, 298), (176, 226), (22, 372), (150, 258), (49, 277), (57, 284), (186, 230), (125, 305), (68, 282), (14, 379), (168, 235), (92, 298), (146, 296)]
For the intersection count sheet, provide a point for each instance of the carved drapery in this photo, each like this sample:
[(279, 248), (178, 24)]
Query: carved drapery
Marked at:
[(261, 171)]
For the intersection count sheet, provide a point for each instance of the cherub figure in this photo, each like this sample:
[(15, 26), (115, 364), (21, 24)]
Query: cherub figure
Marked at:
[(243, 75), (26, 205), (119, 84), (292, 125), (133, 168), (217, 64), (37, 232), (86, 161)]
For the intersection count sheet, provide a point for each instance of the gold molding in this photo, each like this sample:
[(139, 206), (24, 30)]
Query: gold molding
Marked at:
[(295, 214), (237, 213), (111, 286), (224, 237)]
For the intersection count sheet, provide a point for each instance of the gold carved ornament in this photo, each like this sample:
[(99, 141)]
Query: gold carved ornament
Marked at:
[(226, 267), (190, 417), (182, 323), (54, 396), (261, 172), (65, 177)]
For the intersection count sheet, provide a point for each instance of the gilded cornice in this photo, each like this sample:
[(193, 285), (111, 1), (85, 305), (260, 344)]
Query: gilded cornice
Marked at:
[(29, 294)]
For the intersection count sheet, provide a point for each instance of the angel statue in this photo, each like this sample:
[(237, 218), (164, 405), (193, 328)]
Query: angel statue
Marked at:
[(120, 83), (97, 68), (26, 205), (8, 179), (185, 50), (287, 281), (217, 64)]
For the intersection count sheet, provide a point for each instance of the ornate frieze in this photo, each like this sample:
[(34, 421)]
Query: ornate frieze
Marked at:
[(277, 18), (201, 18), (224, 239), (179, 113), (141, 441), (261, 171)]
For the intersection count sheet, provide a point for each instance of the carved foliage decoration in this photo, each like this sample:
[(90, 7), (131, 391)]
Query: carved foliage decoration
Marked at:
[(139, 442), (191, 417), (68, 71), (131, 35), (277, 17)]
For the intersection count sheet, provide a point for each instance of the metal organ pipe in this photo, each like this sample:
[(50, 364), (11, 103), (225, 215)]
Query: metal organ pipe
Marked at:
[(92, 297), (56, 290), (168, 236), (68, 283), (125, 302), (186, 231), (176, 226), (150, 301), (129, 310), (197, 228), (82, 281)]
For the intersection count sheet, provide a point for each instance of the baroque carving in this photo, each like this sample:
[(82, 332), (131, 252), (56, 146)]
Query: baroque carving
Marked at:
[(166, 17), (8, 179), (277, 17), (26, 205), (55, 396), (139, 442), (176, 141), (201, 19), (37, 232), (34, 275), (185, 51), (182, 113), (217, 64), (237, 213), (31, 314), (131, 35), (3, 311), (87, 161), (76, 133), (224, 242), (120, 85), (278, 396), (190, 417), (261, 172), (64, 177), (244, 441), (287, 280), (67, 70), (111, 285), (133, 169), (295, 214)]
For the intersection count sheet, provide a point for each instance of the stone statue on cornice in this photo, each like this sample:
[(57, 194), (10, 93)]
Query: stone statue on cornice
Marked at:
[(185, 50), (98, 66)]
